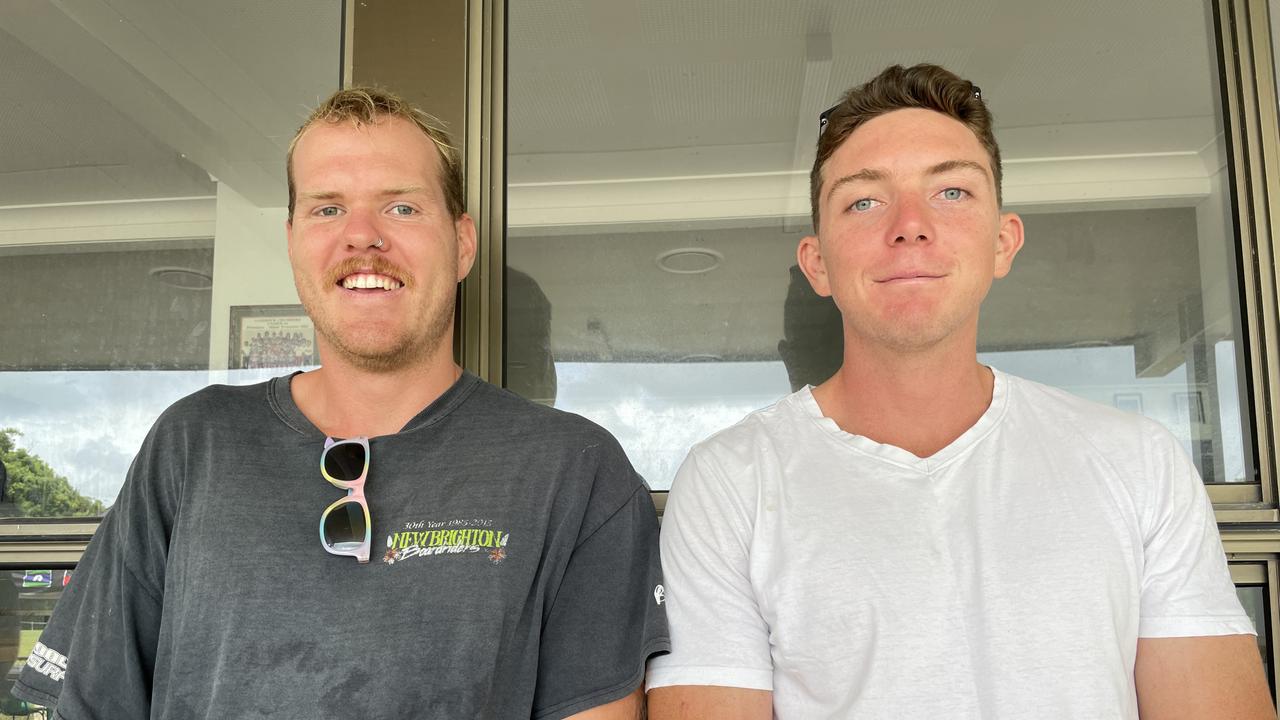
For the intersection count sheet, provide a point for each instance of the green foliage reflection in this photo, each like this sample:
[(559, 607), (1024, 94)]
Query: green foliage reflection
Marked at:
[(35, 488)]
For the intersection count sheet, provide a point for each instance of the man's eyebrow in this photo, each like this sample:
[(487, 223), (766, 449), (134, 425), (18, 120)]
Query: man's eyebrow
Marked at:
[(406, 190), (950, 165), (863, 175), (389, 192)]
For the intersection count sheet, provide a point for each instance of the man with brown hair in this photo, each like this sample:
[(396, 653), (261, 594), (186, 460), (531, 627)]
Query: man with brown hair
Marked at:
[(922, 536), (479, 556)]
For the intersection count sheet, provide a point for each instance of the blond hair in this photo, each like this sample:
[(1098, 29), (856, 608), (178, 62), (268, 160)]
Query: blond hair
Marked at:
[(369, 105)]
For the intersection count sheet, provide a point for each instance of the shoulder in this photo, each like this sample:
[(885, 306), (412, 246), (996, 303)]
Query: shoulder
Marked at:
[(1122, 438), (215, 406), (590, 476), (543, 436), (732, 466), (521, 419), (213, 398), (768, 431)]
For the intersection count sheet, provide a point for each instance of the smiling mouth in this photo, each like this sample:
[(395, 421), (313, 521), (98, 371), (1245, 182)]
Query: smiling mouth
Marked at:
[(370, 281)]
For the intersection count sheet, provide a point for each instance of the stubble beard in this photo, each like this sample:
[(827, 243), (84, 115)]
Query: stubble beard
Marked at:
[(910, 338), (367, 350), (375, 355), (912, 333)]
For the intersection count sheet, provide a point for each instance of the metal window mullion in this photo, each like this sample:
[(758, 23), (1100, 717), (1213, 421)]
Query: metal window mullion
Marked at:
[(39, 554), (1233, 493), (348, 43), (471, 328), (1265, 185), (1240, 103), (1273, 622), (482, 324), (496, 212)]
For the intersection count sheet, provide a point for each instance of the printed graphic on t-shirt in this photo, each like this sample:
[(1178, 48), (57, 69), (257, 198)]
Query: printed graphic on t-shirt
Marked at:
[(48, 662), (424, 538)]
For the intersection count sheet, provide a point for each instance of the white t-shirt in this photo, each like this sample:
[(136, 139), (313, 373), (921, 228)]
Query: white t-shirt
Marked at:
[(1007, 576)]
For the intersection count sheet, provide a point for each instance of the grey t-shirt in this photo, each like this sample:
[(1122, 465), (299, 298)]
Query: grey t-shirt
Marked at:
[(514, 571)]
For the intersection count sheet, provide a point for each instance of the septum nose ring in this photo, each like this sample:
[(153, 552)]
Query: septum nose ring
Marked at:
[(378, 244)]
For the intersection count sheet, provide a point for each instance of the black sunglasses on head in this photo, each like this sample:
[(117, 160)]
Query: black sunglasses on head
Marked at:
[(826, 114)]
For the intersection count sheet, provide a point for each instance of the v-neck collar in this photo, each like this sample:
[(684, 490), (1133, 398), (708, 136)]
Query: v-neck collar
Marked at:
[(808, 406)]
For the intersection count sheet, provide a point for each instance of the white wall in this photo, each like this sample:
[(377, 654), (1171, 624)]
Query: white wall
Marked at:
[(250, 264)]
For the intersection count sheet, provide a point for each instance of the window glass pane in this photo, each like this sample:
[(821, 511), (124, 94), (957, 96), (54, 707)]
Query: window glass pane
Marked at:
[(658, 185), (142, 219), (1254, 600), (27, 596)]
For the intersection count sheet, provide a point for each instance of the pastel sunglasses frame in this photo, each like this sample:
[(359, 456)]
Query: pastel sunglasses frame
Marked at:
[(355, 494)]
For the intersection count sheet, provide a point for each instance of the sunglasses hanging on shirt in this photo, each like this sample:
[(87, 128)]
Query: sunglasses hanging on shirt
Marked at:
[(345, 528)]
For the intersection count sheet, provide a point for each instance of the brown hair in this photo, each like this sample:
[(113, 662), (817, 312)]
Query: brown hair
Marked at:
[(920, 86), (368, 106)]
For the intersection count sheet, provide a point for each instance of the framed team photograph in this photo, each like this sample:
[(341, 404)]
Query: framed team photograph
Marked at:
[(271, 336)]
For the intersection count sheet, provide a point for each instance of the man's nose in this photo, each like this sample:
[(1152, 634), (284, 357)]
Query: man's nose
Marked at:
[(911, 222), (360, 232)]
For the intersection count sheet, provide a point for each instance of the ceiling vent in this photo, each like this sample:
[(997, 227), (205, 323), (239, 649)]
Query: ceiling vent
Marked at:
[(183, 278), (689, 261)]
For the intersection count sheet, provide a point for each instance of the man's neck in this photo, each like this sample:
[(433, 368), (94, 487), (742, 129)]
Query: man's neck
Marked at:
[(920, 402), (344, 400)]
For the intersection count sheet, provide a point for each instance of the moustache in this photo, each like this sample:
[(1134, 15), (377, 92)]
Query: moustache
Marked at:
[(374, 264)]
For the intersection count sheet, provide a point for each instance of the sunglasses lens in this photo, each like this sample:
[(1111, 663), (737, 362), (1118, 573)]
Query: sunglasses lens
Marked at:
[(345, 461), (344, 527)]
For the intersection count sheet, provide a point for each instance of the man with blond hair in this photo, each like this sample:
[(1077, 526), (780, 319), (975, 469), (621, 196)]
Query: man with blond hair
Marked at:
[(922, 536), (478, 556)]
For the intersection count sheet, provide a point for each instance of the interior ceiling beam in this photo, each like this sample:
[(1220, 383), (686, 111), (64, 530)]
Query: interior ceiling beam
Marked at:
[(201, 117), (813, 99), (1155, 180)]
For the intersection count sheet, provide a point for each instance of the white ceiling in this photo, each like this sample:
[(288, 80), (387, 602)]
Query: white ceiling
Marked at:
[(625, 75), (117, 99), (131, 99)]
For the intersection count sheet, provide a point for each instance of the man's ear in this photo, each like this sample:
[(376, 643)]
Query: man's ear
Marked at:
[(1008, 243), (809, 258), (288, 237), (465, 232)]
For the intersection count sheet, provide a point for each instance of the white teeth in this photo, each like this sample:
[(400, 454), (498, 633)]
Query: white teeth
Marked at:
[(368, 281)]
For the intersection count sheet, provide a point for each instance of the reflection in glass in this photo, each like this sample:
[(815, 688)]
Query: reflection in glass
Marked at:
[(661, 408), (531, 368), (27, 597), (77, 431), (690, 134), (1254, 600), (141, 200)]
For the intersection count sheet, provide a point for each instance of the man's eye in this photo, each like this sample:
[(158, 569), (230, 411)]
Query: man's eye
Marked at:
[(327, 211), (402, 210), (952, 194), (863, 205)]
